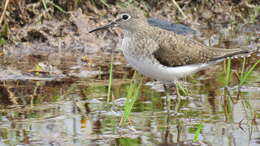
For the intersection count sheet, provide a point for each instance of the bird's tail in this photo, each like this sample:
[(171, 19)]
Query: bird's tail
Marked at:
[(233, 53)]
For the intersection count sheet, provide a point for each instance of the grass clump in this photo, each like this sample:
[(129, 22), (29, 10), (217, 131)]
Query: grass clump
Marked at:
[(181, 90), (245, 75), (133, 92), (47, 3)]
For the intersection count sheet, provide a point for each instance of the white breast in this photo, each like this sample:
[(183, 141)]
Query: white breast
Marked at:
[(160, 72)]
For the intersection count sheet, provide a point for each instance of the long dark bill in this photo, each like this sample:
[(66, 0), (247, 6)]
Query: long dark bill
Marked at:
[(112, 24)]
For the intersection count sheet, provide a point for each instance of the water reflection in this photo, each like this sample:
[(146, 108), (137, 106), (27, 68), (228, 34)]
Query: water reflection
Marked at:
[(65, 124), (85, 118)]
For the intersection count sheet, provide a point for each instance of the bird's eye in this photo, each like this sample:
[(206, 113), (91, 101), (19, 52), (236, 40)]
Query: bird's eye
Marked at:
[(125, 17)]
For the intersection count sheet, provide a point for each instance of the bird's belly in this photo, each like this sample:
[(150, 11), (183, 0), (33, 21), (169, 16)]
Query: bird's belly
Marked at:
[(157, 71)]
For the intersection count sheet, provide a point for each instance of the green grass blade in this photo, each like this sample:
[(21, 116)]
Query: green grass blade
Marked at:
[(57, 7), (132, 95), (4, 34), (44, 3), (181, 88), (199, 127), (228, 71), (105, 3), (110, 77), (245, 75)]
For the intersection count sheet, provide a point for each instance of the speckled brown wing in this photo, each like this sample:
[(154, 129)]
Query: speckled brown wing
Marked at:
[(177, 50)]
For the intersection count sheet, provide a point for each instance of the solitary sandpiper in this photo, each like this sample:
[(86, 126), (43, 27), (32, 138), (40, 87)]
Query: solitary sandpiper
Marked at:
[(161, 54)]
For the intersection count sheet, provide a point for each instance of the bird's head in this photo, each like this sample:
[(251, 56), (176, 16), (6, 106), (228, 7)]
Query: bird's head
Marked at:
[(127, 19)]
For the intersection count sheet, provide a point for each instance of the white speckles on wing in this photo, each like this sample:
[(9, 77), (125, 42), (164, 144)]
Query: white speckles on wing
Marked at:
[(145, 63)]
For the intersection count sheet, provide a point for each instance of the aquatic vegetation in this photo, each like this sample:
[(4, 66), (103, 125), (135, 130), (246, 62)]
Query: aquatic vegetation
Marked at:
[(133, 92), (228, 71), (245, 74), (228, 103), (181, 90), (197, 132), (110, 79)]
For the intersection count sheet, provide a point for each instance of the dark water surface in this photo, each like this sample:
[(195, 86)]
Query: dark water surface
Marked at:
[(83, 117)]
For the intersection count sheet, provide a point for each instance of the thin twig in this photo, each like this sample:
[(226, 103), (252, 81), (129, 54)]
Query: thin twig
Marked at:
[(179, 8), (3, 14)]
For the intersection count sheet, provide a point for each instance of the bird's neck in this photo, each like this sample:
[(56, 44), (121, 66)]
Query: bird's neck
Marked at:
[(144, 31)]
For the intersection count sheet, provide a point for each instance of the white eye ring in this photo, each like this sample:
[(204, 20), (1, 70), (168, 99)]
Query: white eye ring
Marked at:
[(125, 16)]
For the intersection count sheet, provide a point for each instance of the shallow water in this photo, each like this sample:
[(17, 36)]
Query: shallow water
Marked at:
[(81, 116)]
